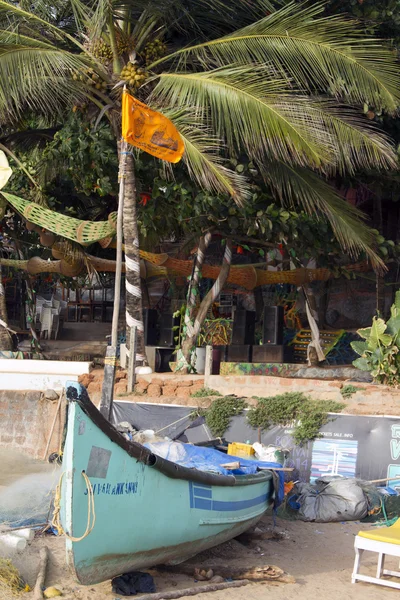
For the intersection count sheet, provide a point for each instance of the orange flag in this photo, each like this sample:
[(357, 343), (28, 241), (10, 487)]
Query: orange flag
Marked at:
[(150, 131)]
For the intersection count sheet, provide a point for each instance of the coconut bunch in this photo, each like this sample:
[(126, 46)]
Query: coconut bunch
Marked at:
[(134, 75), (91, 78), (101, 50), (125, 43), (154, 50)]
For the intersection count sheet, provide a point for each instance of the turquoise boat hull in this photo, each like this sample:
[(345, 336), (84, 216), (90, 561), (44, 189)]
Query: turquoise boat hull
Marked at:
[(148, 510)]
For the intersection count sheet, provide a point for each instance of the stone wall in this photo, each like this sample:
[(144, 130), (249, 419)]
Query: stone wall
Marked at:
[(156, 385), (25, 422)]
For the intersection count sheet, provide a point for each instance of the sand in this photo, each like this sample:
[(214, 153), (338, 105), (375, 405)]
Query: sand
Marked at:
[(319, 556)]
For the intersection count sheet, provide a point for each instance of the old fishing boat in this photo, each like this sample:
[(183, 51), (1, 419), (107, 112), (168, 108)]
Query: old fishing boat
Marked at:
[(122, 507)]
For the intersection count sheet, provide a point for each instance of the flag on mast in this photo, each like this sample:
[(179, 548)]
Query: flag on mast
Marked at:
[(149, 130)]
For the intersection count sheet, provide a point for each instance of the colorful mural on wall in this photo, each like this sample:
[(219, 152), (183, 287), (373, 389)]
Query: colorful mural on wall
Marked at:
[(271, 369)]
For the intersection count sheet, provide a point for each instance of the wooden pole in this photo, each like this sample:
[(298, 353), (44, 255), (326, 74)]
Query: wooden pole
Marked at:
[(118, 270), (110, 362), (53, 424), (208, 365), (200, 589), (38, 590), (384, 480), (132, 359)]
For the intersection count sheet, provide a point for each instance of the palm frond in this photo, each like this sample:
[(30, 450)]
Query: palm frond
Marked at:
[(38, 78), (250, 108), (13, 14), (29, 139), (316, 53), (360, 144), (100, 16), (197, 19), (202, 157), (8, 37), (205, 167), (147, 25), (82, 12), (295, 185)]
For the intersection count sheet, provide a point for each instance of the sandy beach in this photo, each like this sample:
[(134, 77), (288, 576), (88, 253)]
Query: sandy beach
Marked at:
[(319, 556)]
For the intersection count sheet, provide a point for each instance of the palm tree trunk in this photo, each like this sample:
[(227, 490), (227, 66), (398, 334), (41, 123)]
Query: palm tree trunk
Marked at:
[(134, 314), (188, 339), (193, 289), (315, 354), (212, 295), (5, 337)]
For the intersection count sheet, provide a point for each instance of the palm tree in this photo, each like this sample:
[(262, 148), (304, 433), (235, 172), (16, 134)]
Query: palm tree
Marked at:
[(286, 88)]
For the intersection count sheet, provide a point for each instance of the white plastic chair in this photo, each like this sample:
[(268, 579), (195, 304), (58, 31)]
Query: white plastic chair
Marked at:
[(46, 318), (56, 303)]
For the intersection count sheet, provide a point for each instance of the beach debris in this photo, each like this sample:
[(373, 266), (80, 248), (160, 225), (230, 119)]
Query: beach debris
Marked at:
[(11, 581), (26, 534), (39, 585), (125, 427), (12, 542), (203, 574), (199, 589), (52, 592), (249, 573)]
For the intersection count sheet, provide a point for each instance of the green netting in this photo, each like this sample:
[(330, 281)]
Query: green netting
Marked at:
[(83, 232)]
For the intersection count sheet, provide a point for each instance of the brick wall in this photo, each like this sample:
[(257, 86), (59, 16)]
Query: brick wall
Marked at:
[(25, 422)]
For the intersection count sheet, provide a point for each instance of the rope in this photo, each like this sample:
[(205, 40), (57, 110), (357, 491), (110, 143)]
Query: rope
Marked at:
[(174, 423), (91, 519), (4, 324)]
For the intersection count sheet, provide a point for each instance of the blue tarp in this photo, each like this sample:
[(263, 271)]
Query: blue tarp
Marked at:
[(208, 459)]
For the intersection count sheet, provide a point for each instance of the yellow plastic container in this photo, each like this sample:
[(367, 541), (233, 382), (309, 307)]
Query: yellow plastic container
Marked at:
[(239, 449)]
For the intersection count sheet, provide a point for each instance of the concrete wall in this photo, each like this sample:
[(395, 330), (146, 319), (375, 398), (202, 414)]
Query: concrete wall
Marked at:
[(261, 385), (369, 398), (25, 422), (39, 374)]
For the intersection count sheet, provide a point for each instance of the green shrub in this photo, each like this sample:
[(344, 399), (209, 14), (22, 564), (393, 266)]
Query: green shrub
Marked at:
[(348, 390), (296, 410), (379, 353), (221, 411), (205, 392)]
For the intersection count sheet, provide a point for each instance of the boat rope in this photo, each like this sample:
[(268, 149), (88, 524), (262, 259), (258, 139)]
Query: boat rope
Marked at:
[(91, 519), (174, 423)]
